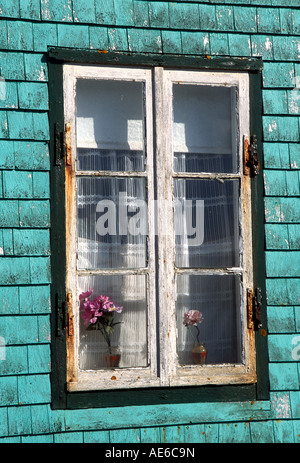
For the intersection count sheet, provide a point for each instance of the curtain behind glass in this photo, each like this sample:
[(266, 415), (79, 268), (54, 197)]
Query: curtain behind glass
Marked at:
[(111, 220)]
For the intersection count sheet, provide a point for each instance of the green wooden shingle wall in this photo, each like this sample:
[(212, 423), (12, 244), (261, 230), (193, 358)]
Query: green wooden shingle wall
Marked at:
[(251, 28)]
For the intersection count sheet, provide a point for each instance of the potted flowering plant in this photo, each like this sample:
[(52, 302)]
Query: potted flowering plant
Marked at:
[(192, 319), (99, 314)]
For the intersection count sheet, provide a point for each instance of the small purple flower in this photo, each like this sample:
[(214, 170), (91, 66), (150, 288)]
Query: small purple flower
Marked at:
[(99, 313)]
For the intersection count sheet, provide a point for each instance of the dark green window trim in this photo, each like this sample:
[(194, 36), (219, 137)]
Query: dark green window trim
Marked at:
[(61, 399)]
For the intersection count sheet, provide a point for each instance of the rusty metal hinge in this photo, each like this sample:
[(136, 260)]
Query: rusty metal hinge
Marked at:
[(251, 161), (68, 145), (254, 307), (70, 316)]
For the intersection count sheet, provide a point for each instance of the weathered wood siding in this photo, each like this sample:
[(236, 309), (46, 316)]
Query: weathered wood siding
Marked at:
[(267, 28)]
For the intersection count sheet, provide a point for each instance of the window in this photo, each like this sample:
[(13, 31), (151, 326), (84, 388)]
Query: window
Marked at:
[(158, 218)]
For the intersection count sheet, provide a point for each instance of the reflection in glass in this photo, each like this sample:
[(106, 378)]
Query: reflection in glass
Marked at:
[(130, 334), (206, 223), (205, 128), (110, 125), (112, 223), (218, 298)]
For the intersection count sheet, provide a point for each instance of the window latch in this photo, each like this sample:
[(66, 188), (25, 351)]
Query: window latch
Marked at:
[(254, 306), (251, 161)]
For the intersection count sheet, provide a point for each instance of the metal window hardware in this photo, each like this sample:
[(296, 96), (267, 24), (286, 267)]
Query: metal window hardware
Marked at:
[(254, 306), (63, 144), (251, 161)]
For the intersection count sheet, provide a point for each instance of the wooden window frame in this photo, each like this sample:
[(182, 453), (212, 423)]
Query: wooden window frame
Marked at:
[(248, 384)]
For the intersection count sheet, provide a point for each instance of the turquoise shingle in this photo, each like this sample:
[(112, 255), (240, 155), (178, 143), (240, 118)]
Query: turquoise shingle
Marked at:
[(124, 12), (19, 420), (83, 11), (8, 94), (245, 19), (268, 20), (224, 18), (158, 14), (219, 44), (40, 270), (99, 37), (195, 42), (35, 67), (8, 396), (9, 213), (17, 184), (277, 236), (9, 300), (44, 35), (73, 35), (7, 158), (276, 155), (34, 389), (31, 242), (171, 41), (41, 423), (261, 432), (15, 362), (56, 10), (184, 16), (33, 95), (279, 75), (283, 291), (34, 299), (20, 125), (294, 236), (281, 319), (283, 376), (105, 12), (30, 155), (275, 102), (234, 433), (117, 39), (9, 8), (208, 17), (19, 35), (285, 210), (30, 9), (3, 125), (262, 45), (23, 331), (34, 213), (150, 41), (278, 128), (286, 48), (12, 65), (239, 45), (282, 263), (141, 13), (39, 358), (8, 242), (40, 185)]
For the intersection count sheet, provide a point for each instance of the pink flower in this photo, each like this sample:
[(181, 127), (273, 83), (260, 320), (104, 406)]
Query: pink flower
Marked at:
[(85, 295), (192, 317)]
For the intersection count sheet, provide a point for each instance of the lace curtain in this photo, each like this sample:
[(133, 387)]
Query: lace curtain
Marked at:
[(110, 137)]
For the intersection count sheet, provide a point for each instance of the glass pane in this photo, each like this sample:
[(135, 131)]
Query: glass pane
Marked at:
[(127, 336), (217, 297), (205, 128), (110, 125), (207, 223), (111, 223)]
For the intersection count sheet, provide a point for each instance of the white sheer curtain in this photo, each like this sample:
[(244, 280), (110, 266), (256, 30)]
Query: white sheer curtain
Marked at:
[(110, 138), (205, 141)]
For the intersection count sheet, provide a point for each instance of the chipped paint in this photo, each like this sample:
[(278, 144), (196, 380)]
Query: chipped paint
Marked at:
[(281, 405)]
